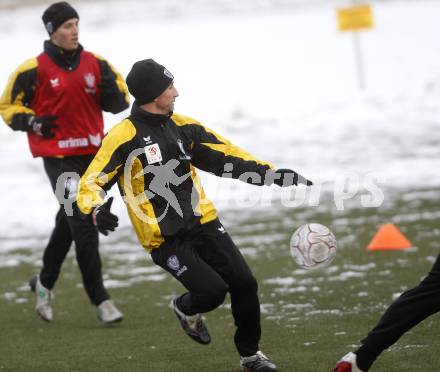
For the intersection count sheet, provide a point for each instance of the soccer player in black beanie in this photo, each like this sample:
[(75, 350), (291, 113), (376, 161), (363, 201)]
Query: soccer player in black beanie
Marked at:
[(153, 155), (58, 13), (147, 80), (57, 98)]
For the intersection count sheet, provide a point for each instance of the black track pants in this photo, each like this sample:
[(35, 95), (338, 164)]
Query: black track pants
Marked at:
[(72, 228), (407, 311), (208, 264)]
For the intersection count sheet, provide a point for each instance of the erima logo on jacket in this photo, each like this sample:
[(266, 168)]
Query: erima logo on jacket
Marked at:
[(55, 82), (94, 140)]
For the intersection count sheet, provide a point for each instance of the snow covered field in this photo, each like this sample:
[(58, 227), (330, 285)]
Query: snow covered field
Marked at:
[(278, 81)]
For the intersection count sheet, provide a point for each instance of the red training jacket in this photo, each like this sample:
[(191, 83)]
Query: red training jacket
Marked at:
[(74, 97)]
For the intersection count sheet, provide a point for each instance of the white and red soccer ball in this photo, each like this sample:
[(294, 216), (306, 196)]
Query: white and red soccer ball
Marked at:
[(313, 246)]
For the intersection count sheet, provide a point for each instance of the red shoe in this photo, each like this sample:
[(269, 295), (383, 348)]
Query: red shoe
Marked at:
[(347, 364)]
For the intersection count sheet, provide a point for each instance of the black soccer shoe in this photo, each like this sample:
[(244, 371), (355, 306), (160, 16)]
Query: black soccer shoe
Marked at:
[(257, 363), (193, 325)]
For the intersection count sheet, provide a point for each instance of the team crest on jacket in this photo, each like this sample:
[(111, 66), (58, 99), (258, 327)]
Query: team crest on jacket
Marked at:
[(173, 262), (184, 155), (89, 78)]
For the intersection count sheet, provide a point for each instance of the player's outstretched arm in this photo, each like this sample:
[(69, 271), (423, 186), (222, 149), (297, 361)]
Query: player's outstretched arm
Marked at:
[(286, 177)]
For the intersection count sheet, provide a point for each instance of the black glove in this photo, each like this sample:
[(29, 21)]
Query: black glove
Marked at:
[(43, 125), (288, 177), (103, 219)]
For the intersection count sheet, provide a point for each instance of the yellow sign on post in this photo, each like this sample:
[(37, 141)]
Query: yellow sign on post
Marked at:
[(356, 17)]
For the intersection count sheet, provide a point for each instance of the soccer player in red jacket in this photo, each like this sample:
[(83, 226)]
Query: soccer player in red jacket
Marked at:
[(58, 98)]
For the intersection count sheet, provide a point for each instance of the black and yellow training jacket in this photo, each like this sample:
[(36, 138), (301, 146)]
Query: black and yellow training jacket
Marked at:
[(153, 160)]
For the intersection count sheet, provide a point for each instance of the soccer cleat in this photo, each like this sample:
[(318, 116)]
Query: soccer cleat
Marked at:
[(44, 298), (107, 313), (347, 363), (193, 325), (257, 363)]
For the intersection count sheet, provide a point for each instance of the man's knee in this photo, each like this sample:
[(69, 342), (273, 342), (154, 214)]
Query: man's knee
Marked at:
[(216, 295)]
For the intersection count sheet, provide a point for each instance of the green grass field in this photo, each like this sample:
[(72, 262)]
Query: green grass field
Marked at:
[(309, 319)]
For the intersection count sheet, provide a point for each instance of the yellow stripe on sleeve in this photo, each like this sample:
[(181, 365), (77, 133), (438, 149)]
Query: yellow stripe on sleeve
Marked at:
[(226, 147), (9, 108), (231, 150), (104, 166)]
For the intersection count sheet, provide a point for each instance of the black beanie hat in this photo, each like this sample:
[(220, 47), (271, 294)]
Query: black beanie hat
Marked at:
[(57, 14), (147, 80)]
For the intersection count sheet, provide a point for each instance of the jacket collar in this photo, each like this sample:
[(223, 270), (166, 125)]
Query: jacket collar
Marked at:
[(146, 117), (65, 59)]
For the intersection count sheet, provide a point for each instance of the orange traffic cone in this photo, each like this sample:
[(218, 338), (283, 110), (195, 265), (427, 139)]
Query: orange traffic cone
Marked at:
[(389, 237)]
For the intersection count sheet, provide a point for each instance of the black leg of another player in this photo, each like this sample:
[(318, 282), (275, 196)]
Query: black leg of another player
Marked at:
[(412, 307), (56, 250)]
